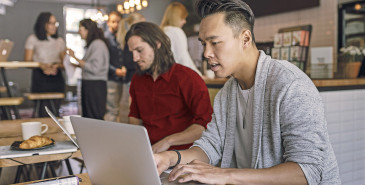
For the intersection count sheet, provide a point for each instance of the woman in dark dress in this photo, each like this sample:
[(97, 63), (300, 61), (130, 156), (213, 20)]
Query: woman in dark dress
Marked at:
[(46, 47)]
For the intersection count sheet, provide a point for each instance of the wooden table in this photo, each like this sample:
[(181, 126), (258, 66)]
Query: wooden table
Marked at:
[(84, 176), (86, 180), (319, 83), (18, 64), (10, 131), (14, 64)]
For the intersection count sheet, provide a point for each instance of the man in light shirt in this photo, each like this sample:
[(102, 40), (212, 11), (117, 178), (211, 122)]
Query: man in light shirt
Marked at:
[(268, 124)]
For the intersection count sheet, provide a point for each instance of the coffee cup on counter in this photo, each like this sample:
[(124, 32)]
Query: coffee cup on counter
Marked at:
[(30, 129), (66, 122)]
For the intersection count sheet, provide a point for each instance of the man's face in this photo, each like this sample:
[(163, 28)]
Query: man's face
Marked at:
[(113, 23), (221, 48), (143, 53)]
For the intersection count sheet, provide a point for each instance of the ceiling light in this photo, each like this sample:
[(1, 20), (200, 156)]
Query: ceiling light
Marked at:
[(130, 6)]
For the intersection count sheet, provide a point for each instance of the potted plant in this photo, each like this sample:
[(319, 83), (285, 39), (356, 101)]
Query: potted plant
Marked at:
[(349, 61)]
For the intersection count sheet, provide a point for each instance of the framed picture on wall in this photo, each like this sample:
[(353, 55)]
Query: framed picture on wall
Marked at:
[(287, 38), (300, 38), (278, 40), (296, 53), (275, 53), (285, 53)]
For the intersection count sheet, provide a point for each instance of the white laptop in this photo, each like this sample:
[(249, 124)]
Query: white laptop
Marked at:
[(117, 153), (5, 49)]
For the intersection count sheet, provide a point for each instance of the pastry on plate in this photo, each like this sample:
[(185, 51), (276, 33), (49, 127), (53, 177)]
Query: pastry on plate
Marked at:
[(35, 142)]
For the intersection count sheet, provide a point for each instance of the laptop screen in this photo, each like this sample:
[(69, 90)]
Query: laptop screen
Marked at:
[(5, 49), (59, 124)]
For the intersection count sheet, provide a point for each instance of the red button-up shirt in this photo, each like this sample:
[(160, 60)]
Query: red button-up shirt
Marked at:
[(176, 100)]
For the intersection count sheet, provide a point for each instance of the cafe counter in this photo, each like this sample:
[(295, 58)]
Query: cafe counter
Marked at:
[(321, 84)]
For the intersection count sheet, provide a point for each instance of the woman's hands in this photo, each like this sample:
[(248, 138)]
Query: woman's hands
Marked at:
[(70, 52), (73, 60), (49, 69)]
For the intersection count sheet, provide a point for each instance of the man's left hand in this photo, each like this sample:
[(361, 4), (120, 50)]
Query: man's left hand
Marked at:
[(161, 146), (201, 172)]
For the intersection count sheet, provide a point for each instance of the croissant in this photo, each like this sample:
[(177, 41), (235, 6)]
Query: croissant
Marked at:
[(35, 142)]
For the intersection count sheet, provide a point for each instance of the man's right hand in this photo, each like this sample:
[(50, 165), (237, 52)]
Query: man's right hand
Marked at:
[(162, 160)]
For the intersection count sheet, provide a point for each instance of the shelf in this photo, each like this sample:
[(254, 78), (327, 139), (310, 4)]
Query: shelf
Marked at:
[(355, 35), (362, 19)]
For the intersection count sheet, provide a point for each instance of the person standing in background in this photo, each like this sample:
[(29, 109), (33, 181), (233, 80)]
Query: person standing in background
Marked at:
[(173, 20), (46, 47), (117, 71), (94, 65), (124, 26)]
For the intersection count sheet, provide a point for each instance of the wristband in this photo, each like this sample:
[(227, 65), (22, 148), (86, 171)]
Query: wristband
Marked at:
[(178, 159)]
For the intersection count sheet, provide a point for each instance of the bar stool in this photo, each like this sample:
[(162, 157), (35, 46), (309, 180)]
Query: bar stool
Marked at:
[(41, 97), (12, 102)]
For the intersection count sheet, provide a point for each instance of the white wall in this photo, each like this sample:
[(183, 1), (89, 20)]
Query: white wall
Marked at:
[(346, 127)]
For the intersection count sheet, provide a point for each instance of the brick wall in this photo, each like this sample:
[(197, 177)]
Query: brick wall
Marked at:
[(323, 19)]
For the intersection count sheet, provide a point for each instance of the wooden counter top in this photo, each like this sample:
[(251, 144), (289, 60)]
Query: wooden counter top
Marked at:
[(219, 82), (214, 81), (17, 64), (84, 176), (12, 128), (10, 131), (339, 82)]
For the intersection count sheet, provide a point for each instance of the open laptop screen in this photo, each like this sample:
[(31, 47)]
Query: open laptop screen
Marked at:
[(5, 49), (59, 124)]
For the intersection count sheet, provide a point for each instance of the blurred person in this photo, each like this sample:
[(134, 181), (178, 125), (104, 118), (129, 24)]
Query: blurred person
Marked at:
[(173, 20), (121, 67), (94, 65), (169, 99), (46, 47), (124, 26), (117, 70), (268, 126)]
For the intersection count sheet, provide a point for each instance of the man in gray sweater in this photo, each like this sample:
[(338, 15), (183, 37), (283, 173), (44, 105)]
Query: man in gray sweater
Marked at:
[(268, 125)]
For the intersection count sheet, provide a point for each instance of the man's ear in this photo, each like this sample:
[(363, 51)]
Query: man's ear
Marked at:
[(158, 44), (246, 37)]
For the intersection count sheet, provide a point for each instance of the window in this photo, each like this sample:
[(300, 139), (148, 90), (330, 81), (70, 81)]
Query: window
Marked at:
[(73, 15)]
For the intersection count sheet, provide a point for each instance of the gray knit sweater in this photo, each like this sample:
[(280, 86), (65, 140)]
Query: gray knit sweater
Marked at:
[(289, 123), (96, 61)]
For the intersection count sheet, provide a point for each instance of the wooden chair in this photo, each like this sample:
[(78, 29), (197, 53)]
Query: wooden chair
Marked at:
[(41, 97), (12, 102)]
